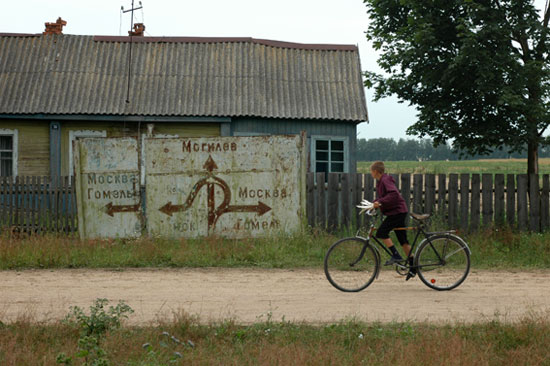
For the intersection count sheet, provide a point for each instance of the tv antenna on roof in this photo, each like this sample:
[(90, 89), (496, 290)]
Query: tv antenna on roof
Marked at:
[(131, 34)]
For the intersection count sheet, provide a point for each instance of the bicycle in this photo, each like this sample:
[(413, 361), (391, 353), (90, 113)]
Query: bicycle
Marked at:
[(441, 261)]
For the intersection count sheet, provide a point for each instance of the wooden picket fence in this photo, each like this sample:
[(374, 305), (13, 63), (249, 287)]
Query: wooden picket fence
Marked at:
[(39, 205), (462, 201)]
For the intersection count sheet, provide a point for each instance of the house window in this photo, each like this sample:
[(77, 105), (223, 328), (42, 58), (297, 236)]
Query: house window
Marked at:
[(8, 153), (329, 154), (73, 135)]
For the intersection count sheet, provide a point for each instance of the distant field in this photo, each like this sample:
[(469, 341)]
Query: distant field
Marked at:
[(495, 166)]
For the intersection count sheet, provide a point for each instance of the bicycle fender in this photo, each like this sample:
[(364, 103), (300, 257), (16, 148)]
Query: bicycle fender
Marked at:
[(462, 241)]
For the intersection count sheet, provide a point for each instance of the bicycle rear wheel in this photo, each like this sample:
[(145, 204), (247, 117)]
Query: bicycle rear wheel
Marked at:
[(443, 262), (351, 264)]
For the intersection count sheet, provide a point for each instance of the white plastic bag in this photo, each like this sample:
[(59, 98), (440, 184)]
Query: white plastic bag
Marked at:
[(365, 206)]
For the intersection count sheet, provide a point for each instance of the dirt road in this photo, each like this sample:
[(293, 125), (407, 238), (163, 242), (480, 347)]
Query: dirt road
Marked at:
[(248, 295)]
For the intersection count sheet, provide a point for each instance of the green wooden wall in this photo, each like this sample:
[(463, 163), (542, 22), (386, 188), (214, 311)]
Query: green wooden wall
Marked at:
[(33, 146), (312, 127), (34, 138), (34, 135)]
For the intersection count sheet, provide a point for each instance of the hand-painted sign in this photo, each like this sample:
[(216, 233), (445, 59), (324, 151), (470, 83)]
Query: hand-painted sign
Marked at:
[(228, 186), (107, 187)]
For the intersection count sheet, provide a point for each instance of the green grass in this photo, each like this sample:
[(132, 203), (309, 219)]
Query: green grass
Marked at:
[(491, 249), (25, 342), (493, 166)]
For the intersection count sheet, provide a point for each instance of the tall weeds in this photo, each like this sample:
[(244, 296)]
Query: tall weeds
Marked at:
[(186, 341), (491, 249)]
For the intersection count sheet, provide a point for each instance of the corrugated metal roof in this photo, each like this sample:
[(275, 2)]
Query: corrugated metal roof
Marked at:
[(177, 76)]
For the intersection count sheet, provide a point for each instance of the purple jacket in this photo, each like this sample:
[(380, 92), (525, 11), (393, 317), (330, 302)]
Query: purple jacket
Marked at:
[(389, 197)]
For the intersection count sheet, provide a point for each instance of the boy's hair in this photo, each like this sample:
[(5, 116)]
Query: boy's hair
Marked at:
[(378, 166)]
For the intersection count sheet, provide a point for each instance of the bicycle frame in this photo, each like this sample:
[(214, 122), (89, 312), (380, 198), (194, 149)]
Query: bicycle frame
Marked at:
[(419, 230)]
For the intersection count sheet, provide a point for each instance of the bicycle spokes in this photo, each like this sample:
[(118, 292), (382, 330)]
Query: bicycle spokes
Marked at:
[(443, 262), (351, 264)]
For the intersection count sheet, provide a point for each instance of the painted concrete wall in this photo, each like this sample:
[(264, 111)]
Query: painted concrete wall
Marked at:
[(107, 187), (229, 186), (233, 187), (130, 129)]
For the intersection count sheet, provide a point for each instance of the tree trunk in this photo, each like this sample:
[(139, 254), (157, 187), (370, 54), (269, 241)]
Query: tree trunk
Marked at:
[(532, 158)]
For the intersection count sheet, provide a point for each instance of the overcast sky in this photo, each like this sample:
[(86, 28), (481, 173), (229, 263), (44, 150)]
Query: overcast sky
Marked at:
[(302, 21)]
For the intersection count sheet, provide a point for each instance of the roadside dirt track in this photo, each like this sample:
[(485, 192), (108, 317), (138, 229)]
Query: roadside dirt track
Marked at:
[(248, 295)]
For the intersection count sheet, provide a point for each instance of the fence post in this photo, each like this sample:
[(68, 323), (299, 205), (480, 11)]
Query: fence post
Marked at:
[(464, 200), (511, 199), (346, 193), (406, 189), (544, 204), (369, 188), (65, 202), (59, 204), (429, 193), (534, 203), (499, 199), (396, 180), (320, 217), (34, 199), (358, 198), (53, 203), (3, 204), (487, 199), (25, 204), (523, 221), (74, 224), (44, 204), (453, 199), (310, 200), (11, 196), (441, 193), (475, 195), (417, 193), (332, 207)]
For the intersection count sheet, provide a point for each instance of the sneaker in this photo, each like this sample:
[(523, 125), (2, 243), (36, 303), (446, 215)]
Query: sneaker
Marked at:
[(394, 259), (411, 274)]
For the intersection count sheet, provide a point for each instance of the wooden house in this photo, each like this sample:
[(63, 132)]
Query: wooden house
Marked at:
[(55, 88)]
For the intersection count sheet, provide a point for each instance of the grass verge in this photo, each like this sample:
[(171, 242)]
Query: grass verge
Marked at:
[(491, 249), (185, 341)]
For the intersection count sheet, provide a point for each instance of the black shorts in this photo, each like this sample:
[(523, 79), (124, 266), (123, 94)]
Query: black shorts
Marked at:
[(390, 223)]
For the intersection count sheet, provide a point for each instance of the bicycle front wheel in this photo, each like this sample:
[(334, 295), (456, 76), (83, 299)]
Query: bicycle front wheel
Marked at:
[(351, 264), (443, 262)]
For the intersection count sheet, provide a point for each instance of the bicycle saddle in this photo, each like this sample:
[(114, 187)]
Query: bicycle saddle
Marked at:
[(419, 217)]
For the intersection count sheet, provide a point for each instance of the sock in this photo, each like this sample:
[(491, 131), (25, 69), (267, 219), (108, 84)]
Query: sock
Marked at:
[(394, 251)]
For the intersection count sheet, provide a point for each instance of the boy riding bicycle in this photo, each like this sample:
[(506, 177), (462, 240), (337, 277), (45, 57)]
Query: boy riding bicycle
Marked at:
[(393, 206)]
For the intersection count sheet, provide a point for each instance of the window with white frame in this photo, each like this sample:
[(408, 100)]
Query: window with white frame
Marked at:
[(73, 135), (329, 154), (8, 153)]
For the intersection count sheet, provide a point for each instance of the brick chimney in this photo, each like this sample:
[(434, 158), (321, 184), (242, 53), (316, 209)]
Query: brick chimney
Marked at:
[(139, 29), (55, 28)]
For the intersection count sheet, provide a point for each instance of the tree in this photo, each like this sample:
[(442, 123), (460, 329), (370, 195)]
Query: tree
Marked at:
[(476, 70), (376, 149)]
